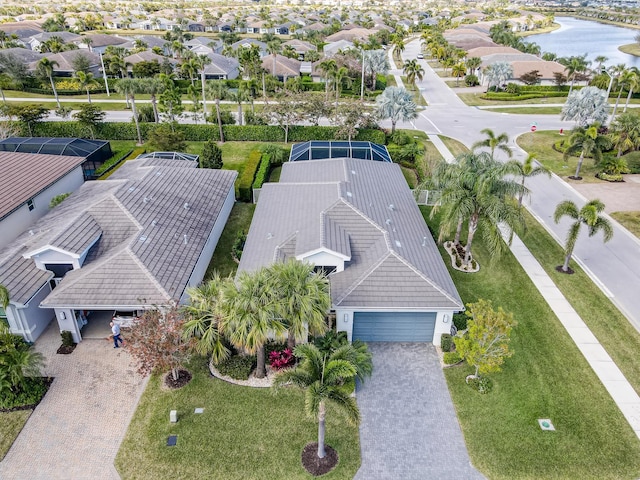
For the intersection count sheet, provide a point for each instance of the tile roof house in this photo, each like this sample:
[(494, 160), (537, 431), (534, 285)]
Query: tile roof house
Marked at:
[(28, 182), (64, 62), (357, 220), (131, 242), (284, 67), (221, 67)]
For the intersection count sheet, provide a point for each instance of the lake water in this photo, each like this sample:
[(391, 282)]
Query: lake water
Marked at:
[(577, 37)]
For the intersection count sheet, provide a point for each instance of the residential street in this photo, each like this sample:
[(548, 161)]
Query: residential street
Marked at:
[(616, 264)]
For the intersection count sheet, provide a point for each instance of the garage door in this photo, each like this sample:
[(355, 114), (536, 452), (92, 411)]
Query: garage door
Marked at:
[(393, 326)]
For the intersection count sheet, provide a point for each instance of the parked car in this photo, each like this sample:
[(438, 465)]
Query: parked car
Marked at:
[(420, 56), (125, 318)]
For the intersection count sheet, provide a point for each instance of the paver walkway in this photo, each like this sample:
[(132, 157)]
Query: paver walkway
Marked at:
[(626, 398), (77, 429), (409, 428)]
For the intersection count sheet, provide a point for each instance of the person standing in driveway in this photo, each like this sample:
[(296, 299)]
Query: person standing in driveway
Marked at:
[(115, 330)]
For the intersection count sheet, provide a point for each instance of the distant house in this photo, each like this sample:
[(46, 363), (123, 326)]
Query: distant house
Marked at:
[(129, 243), (248, 42), (333, 48), (284, 67), (147, 56), (64, 62), (23, 30), (28, 182), (99, 42), (36, 41), (357, 221), (221, 67), (300, 46), (204, 45), (23, 54)]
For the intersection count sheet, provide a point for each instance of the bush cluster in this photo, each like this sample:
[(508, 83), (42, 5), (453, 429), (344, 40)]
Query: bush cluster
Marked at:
[(446, 342), (28, 394), (280, 359), (460, 321), (67, 338), (451, 358), (238, 367), (245, 181), (115, 159), (480, 384)]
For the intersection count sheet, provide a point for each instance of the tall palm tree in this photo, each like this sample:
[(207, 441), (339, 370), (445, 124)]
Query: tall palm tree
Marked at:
[(589, 143), (492, 142), (396, 103), (412, 69), (190, 67), (624, 80), (458, 70), (274, 47), (303, 299), (242, 94), (478, 191), (625, 132), (218, 90), (633, 82), (323, 379), (528, 169), (328, 68), (473, 64), (204, 314), (154, 86), (588, 215), (45, 68), (574, 66), (340, 76), (129, 87), (86, 81), (251, 315), (203, 61)]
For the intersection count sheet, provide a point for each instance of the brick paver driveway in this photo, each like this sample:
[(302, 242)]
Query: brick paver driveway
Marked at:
[(77, 429), (409, 428)]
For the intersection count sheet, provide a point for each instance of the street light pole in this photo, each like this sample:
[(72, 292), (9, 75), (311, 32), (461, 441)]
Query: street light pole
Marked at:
[(104, 75), (604, 70), (362, 78)]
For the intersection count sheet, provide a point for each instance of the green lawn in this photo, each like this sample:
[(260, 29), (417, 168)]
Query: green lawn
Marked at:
[(239, 220), (11, 424), (529, 110), (454, 146), (473, 99), (546, 378), (630, 221), (244, 433), (631, 49), (540, 143)]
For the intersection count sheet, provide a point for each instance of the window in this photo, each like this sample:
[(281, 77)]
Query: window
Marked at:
[(30, 204), (59, 269), (326, 270)]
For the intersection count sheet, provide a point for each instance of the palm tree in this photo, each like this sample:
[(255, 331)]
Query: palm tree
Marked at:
[(492, 142), (189, 67), (624, 80), (129, 87), (19, 361), (458, 70), (323, 379), (625, 132), (396, 103), (528, 169), (303, 299), (588, 215), (4, 297), (473, 64), (375, 62), (242, 94), (328, 67), (477, 188), (574, 66), (274, 47), (45, 68), (154, 87), (204, 315), (601, 60), (340, 76), (585, 106), (86, 81), (251, 315), (588, 142), (218, 91), (203, 61), (412, 69), (633, 82), (497, 73)]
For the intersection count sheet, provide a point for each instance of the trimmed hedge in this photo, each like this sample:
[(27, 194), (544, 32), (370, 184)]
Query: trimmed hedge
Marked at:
[(263, 171), (193, 132), (510, 97), (246, 177), (238, 367)]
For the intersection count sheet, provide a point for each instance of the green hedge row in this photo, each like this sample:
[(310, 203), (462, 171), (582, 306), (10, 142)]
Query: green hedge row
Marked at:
[(263, 171), (44, 91), (192, 132), (509, 97), (245, 181)]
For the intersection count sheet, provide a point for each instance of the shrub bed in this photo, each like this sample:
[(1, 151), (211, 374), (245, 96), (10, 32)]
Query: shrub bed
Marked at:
[(238, 367), (446, 342), (263, 171), (25, 397)]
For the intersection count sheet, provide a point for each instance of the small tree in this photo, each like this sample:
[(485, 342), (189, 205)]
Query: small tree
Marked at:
[(211, 156), (486, 343), (165, 139), (156, 342), (531, 78), (90, 116), (30, 115)]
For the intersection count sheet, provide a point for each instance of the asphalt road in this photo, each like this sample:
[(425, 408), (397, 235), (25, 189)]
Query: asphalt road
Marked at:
[(615, 266)]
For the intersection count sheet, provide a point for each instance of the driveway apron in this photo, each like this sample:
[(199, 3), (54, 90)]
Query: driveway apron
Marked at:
[(77, 429), (409, 428)]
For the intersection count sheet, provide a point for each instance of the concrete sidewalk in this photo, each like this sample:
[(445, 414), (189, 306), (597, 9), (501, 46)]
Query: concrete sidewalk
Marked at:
[(605, 368)]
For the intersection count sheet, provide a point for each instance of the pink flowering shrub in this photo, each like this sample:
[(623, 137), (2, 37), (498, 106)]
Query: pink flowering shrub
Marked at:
[(281, 359)]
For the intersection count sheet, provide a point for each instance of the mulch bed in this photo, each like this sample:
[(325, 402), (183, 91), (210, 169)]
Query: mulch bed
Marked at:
[(66, 349), (47, 381), (568, 272), (184, 377), (318, 466)]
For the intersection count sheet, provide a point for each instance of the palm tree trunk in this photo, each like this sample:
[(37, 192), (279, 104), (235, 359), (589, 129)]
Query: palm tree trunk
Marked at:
[(567, 259), (616, 106), (580, 160), (4, 100), (261, 369), (219, 120), (321, 430), (204, 99), (326, 88), (55, 92), (571, 86), (239, 113), (154, 105), (135, 119), (174, 374), (456, 239), (521, 196), (264, 88), (628, 98), (291, 340), (393, 126), (473, 226), (88, 96)]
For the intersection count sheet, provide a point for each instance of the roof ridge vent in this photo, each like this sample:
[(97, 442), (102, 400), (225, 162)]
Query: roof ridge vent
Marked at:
[(186, 206), (392, 207), (424, 241), (146, 199), (269, 236), (388, 221), (185, 238)]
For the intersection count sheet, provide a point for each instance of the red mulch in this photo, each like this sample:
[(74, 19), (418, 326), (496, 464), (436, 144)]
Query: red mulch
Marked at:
[(184, 377), (66, 349), (318, 466)]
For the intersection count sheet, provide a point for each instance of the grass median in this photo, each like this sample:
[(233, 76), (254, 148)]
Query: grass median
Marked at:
[(546, 378)]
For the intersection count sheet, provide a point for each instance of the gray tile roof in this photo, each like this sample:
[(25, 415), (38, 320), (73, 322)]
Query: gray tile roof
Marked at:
[(358, 207), (23, 175), (152, 229)]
